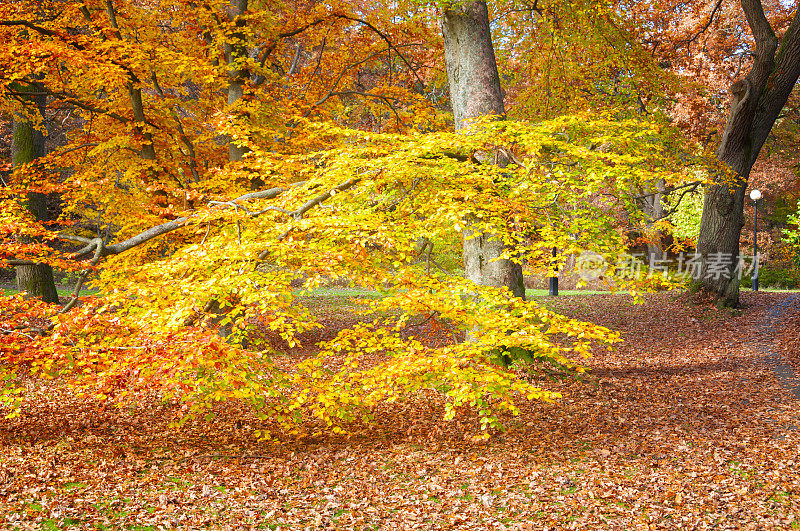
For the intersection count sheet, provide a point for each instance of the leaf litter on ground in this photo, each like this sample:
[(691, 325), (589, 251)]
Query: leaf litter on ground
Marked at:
[(684, 426)]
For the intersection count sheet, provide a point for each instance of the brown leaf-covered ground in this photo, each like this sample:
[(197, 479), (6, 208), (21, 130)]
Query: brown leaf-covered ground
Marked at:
[(690, 424)]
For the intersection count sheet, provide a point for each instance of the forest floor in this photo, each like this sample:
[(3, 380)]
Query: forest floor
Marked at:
[(691, 423)]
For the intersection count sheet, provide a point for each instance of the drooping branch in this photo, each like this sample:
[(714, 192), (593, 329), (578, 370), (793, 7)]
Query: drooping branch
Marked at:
[(98, 248), (98, 254), (161, 229), (297, 214)]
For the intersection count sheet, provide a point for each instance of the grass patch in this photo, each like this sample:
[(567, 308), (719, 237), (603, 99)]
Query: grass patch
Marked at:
[(365, 293), (533, 293), (63, 291)]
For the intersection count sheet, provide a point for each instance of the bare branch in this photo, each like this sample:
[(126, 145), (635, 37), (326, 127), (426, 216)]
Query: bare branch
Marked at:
[(693, 185), (99, 247), (702, 30), (149, 234), (390, 44), (297, 214)]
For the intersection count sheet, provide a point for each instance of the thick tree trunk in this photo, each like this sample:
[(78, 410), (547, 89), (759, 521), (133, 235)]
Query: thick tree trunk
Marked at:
[(475, 92), (756, 104), (27, 145)]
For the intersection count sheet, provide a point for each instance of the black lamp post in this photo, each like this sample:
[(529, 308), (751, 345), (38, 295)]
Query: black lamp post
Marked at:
[(554, 279), (755, 195)]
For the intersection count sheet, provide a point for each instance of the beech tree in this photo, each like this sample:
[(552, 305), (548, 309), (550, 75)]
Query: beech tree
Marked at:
[(219, 183), (475, 92)]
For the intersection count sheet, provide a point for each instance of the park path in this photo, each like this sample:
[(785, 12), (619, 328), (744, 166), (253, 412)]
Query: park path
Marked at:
[(768, 328)]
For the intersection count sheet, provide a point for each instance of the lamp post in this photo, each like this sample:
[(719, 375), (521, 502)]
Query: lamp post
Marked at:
[(554, 279), (755, 195)]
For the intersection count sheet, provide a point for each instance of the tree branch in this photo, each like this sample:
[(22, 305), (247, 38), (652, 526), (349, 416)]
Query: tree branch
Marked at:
[(691, 39), (297, 214), (389, 43), (30, 25), (73, 99), (99, 246)]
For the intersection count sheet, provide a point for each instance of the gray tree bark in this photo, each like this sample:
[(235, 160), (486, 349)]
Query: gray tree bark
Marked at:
[(27, 145), (475, 92), (756, 104)]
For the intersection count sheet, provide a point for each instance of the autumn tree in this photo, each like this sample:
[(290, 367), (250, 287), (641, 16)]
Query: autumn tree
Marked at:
[(204, 172), (757, 100), (722, 49)]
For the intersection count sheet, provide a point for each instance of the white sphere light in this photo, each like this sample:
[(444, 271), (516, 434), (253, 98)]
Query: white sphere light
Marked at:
[(755, 195)]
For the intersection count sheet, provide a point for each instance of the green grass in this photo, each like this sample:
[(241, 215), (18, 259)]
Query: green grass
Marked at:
[(364, 293), (63, 291), (568, 292), (344, 292)]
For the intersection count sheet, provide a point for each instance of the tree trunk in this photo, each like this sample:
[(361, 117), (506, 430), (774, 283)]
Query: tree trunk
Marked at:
[(27, 145), (237, 76), (756, 104), (475, 92), (652, 206)]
